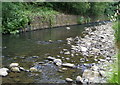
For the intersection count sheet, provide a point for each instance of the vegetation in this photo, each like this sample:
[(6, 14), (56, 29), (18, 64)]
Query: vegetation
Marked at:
[(113, 76), (16, 15)]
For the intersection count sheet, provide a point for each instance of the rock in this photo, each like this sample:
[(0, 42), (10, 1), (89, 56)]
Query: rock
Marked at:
[(33, 69), (64, 69), (68, 65), (67, 53), (78, 79), (65, 50), (102, 60), (41, 62), (67, 58), (102, 73), (58, 62), (15, 69), (50, 58), (60, 71), (68, 28), (3, 71), (14, 65), (22, 69), (69, 80), (50, 41), (35, 56), (87, 73), (96, 74), (94, 67), (84, 49)]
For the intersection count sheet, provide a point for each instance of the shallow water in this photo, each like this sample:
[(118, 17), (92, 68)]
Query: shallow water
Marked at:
[(31, 47)]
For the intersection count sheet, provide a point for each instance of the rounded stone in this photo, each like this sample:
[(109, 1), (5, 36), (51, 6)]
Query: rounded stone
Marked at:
[(14, 65)]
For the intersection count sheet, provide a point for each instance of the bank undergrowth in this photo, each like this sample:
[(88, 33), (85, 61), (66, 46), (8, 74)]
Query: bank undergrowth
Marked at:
[(115, 74), (16, 15)]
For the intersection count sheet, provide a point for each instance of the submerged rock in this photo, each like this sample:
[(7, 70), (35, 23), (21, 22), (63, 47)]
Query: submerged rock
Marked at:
[(68, 65), (67, 53), (15, 69), (69, 80), (68, 28), (22, 69), (33, 69), (14, 65), (79, 79), (64, 68), (3, 71), (58, 62), (50, 58), (83, 49)]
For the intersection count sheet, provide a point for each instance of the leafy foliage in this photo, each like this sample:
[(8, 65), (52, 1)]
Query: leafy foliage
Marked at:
[(16, 15), (13, 17)]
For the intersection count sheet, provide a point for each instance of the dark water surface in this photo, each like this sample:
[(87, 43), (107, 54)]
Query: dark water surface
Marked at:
[(31, 47)]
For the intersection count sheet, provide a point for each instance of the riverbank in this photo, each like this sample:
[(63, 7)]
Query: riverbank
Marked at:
[(48, 21), (96, 44)]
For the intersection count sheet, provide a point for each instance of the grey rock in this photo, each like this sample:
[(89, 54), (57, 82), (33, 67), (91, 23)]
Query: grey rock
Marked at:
[(68, 65), (21, 68), (69, 80), (33, 69), (3, 71), (58, 62), (79, 79), (83, 49), (50, 58), (15, 69), (14, 65), (67, 53), (68, 28)]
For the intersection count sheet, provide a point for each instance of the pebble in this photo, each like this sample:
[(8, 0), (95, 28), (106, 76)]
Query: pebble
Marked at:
[(69, 80), (68, 28), (50, 58), (14, 65), (67, 53), (33, 69), (21, 68), (79, 79), (68, 65), (64, 69), (15, 69)]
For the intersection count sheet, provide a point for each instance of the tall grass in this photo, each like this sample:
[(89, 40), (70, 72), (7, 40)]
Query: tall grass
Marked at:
[(114, 77)]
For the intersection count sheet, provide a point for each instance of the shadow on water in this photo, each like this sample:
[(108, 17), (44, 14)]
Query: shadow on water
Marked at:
[(31, 47)]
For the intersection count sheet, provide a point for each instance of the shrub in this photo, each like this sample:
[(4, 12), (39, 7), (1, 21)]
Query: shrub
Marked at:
[(14, 17)]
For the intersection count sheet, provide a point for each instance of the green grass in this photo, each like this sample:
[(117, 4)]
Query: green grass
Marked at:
[(113, 76)]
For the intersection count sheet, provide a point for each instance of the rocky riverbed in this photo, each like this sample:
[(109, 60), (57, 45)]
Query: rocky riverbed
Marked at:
[(97, 42), (86, 56)]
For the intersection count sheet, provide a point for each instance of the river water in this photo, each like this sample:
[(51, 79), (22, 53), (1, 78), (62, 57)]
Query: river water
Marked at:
[(29, 48)]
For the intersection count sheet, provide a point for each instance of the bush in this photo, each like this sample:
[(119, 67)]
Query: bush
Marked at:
[(14, 17)]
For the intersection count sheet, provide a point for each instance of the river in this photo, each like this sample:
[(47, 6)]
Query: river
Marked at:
[(29, 48)]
